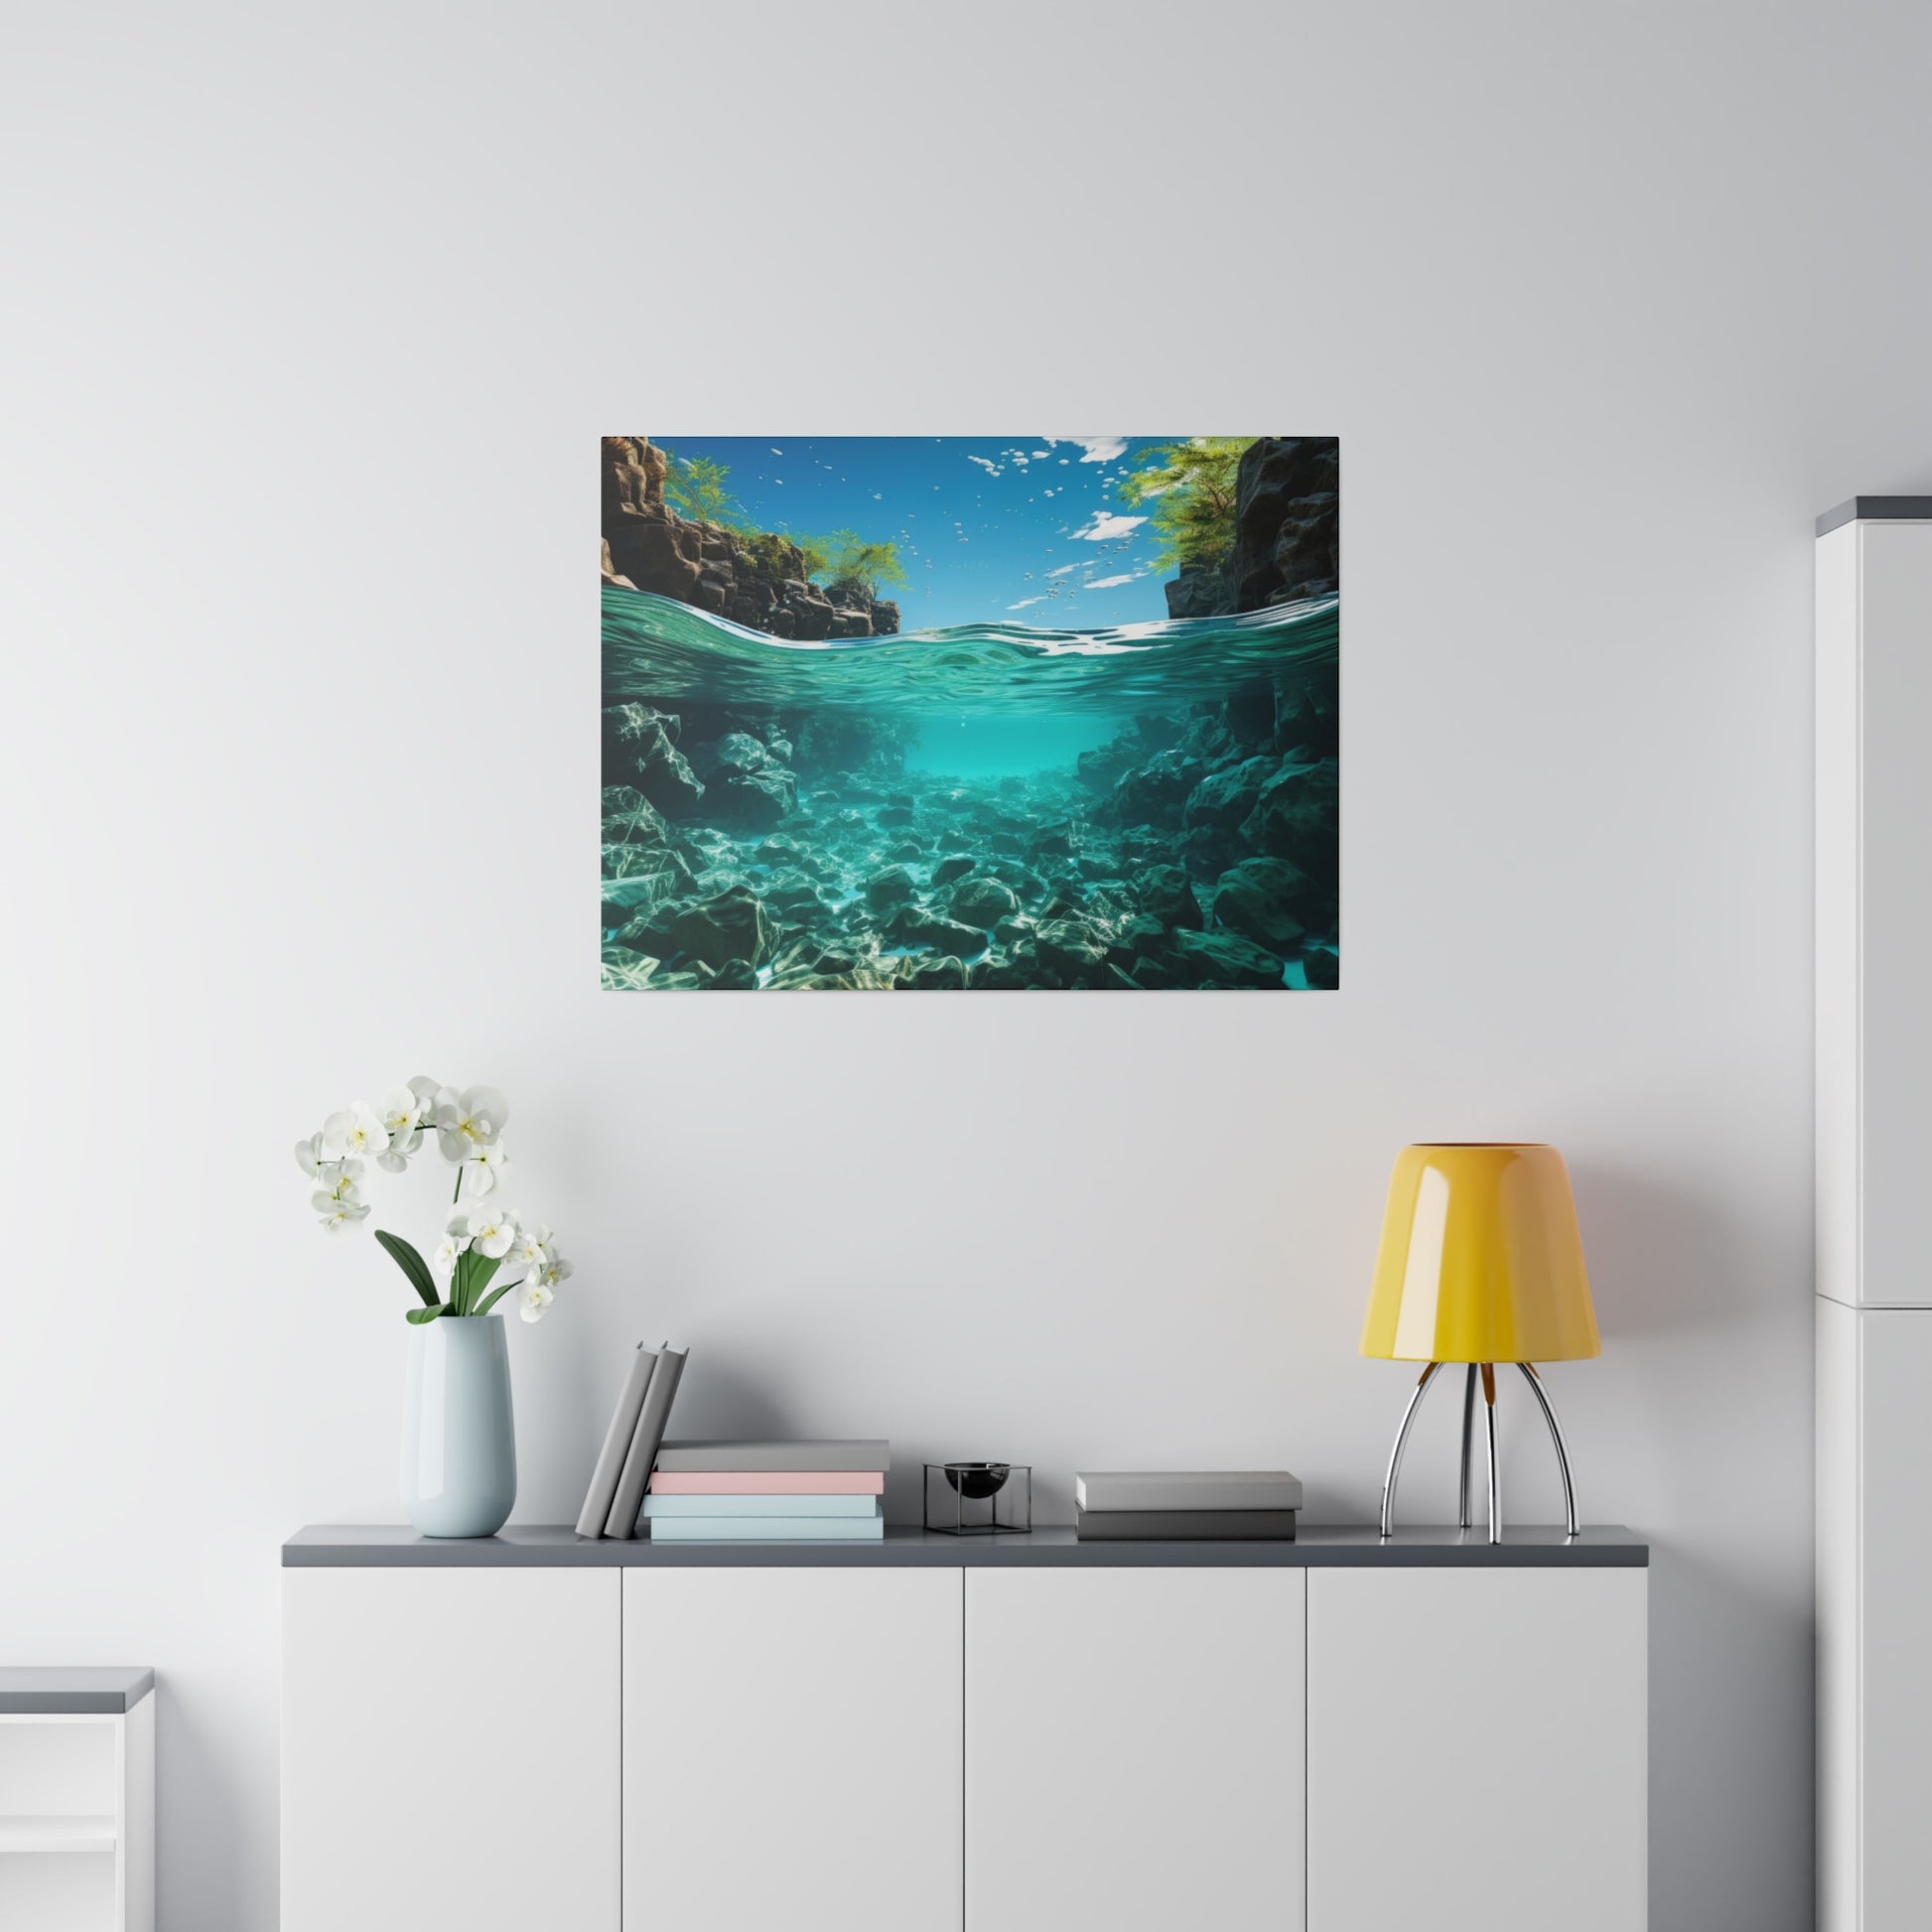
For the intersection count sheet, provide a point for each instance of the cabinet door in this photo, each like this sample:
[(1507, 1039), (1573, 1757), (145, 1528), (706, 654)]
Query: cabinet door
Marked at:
[(791, 1750), (1477, 1749), (1134, 1750), (449, 1750), (1894, 1544)]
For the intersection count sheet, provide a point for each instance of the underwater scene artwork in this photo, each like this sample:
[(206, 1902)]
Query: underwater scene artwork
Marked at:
[(931, 714)]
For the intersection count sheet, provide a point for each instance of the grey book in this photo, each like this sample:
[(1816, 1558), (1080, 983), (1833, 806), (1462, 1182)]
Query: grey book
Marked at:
[(616, 1445), (1189, 1490), (739, 1458), (1187, 1525), (645, 1440)]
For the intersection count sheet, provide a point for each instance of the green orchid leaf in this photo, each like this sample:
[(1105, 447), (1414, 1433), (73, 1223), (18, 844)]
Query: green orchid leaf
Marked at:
[(494, 1296), (420, 1315), (412, 1265)]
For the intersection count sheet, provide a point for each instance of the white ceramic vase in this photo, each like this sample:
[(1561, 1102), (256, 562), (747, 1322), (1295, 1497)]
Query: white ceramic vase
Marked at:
[(459, 1438)]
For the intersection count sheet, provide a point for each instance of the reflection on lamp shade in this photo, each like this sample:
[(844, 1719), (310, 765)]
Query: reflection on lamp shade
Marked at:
[(1481, 1260)]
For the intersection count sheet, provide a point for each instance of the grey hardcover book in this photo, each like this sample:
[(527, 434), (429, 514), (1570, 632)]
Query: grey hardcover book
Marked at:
[(645, 1440), (616, 1445), (1189, 1490), (1187, 1525), (739, 1458)]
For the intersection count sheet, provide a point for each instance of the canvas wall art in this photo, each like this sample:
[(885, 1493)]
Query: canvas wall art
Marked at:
[(1051, 713)]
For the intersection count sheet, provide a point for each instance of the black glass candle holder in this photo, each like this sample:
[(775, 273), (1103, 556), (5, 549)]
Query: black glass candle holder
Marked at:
[(978, 1498)]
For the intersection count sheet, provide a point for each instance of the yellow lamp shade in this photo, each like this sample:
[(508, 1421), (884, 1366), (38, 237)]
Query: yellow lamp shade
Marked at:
[(1480, 1260)]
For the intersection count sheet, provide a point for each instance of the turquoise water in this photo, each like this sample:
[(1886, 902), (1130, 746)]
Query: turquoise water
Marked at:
[(661, 649)]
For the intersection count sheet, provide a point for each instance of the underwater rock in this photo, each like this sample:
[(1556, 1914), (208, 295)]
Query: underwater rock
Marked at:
[(1016, 927), (955, 865), (892, 887), (631, 818), (625, 971), (933, 976), (640, 751), (1296, 812), (752, 801), (1073, 949), (643, 892), (1322, 968), (1100, 767), (1253, 898), (1227, 959), (1155, 792), (982, 902), (895, 815), (1165, 893), (1141, 938), (736, 975), (912, 926), (731, 925), (1151, 975)]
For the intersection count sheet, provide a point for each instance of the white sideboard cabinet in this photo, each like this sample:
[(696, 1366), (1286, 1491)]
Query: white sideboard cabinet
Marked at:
[(1874, 879), (77, 1800), (946, 1734)]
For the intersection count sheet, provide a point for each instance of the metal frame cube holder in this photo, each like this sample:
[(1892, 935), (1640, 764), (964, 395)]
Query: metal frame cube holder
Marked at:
[(978, 1498)]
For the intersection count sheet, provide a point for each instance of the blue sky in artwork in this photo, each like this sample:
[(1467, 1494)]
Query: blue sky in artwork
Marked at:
[(1014, 529)]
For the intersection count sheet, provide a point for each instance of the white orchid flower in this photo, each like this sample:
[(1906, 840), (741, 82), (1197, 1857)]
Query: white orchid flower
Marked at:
[(395, 1157), (356, 1130), (486, 1170), (340, 1181), (469, 1121), (532, 1248), (531, 1300), (492, 1232), (308, 1156), (341, 1214), (400, 1111), (552, 1270)]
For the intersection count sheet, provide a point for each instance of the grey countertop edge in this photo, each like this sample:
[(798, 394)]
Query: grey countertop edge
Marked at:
[(537, 1547), (1876, 510), (62, 1691)]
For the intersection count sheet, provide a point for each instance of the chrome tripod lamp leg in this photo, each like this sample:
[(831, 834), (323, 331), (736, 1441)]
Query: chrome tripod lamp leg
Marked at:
[(1556, 1435), (1464, 1516), (1495, 1467), (1401, 1440)]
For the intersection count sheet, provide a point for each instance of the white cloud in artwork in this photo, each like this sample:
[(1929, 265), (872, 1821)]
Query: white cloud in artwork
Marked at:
[(1063, 570), (777, 453), (1108, 583), (986, 463), (1025, 600), (1106, 527), (1097, 448)]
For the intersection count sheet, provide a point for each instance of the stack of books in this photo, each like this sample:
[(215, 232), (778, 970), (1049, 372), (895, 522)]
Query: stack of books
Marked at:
[(1219, 1506), (771, 1492), (630, 1444)]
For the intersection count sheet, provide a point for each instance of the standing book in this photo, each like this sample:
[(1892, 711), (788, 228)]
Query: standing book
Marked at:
[(616, 1445), (644, 1442)]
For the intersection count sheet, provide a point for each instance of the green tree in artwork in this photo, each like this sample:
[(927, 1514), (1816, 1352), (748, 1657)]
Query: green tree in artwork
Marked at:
[(851, 559), (1192, 487), (695, 487)]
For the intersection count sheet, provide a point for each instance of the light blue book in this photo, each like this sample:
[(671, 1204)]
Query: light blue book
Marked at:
[(767, 1529), (663, 1506)]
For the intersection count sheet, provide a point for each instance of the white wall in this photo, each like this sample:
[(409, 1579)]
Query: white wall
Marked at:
[(313, 317)]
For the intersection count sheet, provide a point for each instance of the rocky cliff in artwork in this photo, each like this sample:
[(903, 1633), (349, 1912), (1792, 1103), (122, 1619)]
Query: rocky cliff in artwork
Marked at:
[(1286, 533), (758, 580)]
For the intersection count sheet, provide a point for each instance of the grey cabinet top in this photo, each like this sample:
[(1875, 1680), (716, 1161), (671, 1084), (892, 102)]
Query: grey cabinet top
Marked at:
[(544, 1546), (85, 1689), (1877, 510)]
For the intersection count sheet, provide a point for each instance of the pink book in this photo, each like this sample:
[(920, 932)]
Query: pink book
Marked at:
[(769, 1482)]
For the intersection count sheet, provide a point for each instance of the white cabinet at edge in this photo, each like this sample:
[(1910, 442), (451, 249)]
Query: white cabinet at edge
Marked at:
[(927, 1749), (1874, 879)]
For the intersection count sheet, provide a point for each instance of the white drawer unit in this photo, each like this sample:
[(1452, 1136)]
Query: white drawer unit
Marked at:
[(77, 1800), (946, 1734), (1874, 1154)]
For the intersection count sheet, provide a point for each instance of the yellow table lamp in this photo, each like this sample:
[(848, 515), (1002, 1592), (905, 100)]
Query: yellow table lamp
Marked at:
[(1480, 1263)]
